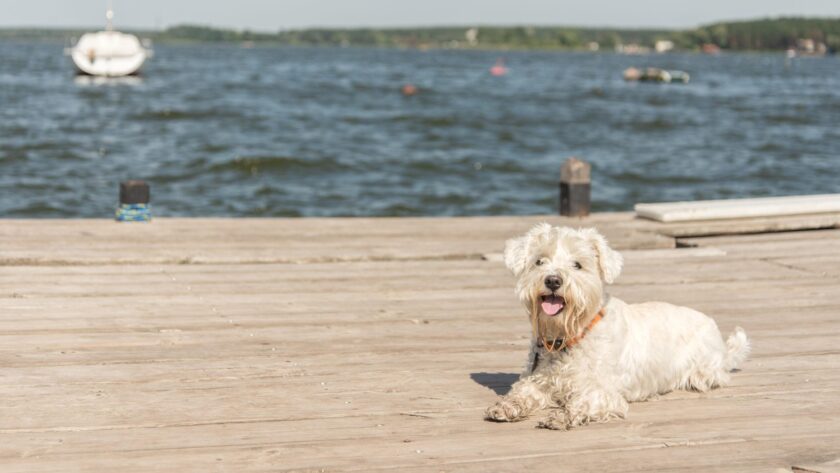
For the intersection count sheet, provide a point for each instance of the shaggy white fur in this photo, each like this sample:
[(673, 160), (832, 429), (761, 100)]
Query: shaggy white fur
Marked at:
[(636, 351)]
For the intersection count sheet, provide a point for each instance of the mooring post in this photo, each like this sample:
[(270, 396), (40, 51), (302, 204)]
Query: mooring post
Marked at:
[(134, 202), (575, 188)]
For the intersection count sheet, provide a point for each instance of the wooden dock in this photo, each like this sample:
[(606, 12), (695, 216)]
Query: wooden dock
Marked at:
[(220, 345)]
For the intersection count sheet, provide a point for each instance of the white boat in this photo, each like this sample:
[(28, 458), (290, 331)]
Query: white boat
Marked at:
[(109, 53)]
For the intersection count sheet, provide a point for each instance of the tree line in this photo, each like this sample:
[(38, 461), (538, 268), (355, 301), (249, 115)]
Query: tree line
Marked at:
[(764, 34)]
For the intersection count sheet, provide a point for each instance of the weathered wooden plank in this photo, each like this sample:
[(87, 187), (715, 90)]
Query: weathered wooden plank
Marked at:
[(774, 245), (295, 392), (85, 242), (445, 447), (739, 208), (185, 241), (746, 226), (832, 466), (393, 280)]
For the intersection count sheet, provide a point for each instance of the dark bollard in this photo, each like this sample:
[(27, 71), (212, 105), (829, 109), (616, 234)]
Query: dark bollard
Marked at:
[(575, 188), (134, 202)]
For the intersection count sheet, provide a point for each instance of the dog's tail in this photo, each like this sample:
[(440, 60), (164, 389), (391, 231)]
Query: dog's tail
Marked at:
[(737, 349)]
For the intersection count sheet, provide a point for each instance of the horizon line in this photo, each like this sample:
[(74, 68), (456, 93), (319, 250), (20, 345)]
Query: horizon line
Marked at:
[(427, 27)]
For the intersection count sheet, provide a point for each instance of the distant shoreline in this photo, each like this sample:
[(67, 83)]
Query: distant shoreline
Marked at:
[(65, 41), (811, 35)]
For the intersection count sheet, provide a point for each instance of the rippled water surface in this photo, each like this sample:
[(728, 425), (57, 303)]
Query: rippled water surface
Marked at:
[(220, 130)]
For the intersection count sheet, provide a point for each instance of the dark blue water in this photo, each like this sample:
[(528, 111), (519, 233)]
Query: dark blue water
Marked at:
[(220, 130)]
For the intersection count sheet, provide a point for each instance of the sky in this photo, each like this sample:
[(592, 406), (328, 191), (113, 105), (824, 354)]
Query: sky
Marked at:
[(272, 15)]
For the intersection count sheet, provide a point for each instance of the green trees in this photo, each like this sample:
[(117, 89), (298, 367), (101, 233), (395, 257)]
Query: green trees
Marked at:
[(764, 34), (768, 34)]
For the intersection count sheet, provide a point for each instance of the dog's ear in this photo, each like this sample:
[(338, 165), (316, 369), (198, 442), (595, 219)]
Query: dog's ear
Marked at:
[(516, 254), (516, 249), (609, 260)]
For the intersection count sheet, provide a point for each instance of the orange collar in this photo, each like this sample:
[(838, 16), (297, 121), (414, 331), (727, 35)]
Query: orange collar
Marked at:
[(565, 344)]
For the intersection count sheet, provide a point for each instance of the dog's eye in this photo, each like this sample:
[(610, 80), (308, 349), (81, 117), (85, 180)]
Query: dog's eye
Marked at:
[(539, 262), (577, 265)]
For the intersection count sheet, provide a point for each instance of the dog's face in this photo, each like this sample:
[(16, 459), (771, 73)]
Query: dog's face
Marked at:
[(560, 274)]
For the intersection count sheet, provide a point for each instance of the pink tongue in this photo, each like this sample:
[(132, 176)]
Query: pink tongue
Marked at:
[(552, 305)]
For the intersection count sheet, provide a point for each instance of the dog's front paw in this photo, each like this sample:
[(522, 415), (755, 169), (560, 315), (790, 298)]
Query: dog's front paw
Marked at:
[(557, 420), (506, 410)]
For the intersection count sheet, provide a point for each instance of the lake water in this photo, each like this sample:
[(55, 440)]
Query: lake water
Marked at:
[(225, 131)]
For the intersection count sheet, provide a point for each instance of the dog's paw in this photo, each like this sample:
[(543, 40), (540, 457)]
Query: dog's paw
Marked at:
[(506, 410), (557, 420)]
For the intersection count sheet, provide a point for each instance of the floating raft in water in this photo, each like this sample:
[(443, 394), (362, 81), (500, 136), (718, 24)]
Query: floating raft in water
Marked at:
[(653, 74)]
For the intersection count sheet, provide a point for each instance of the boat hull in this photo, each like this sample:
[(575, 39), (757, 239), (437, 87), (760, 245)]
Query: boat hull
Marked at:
[(109, 54)]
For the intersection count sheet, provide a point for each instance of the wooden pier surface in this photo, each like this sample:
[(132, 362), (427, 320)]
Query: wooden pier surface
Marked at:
[(215, 345)]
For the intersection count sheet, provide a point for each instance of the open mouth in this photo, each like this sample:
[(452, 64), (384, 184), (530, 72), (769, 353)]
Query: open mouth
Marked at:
[(552, 304)]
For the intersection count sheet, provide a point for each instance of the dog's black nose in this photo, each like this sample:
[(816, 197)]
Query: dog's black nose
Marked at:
[(553, 282)]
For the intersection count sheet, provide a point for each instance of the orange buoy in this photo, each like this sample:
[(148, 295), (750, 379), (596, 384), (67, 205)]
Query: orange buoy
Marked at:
[(409, 89), (499, 69)]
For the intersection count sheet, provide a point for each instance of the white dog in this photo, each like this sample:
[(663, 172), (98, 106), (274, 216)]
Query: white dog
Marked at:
[(591, 354)]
